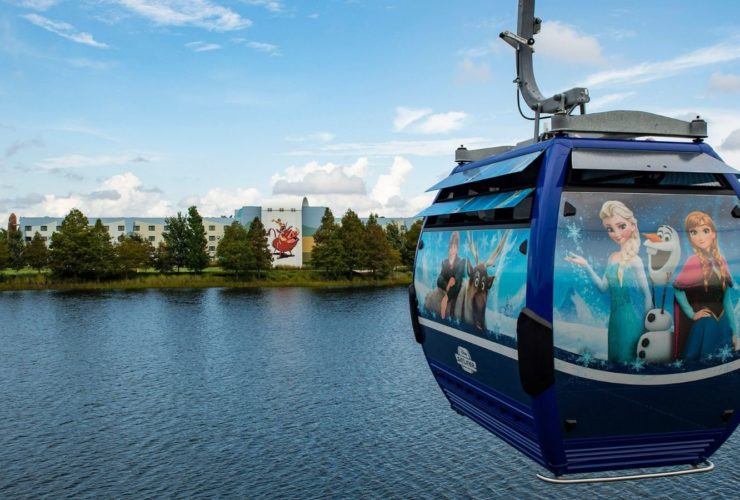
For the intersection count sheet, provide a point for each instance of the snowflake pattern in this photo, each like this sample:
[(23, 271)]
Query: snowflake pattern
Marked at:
[(574, 233), (586, 359), (725, 353), (678, 364), (637, 365)]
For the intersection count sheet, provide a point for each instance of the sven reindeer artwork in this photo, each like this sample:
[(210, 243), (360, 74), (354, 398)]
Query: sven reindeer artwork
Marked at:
[(464, 298)]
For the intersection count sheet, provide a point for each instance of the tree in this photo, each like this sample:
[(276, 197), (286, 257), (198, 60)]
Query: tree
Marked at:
[(411, 239), (15, 247), (101, 252), (381, 257), (70, 248), (257, 237), (176, 240), (162, 259), (133, 252), (197, 245), (36, 254), (4, 252), (353, 240), (327, 254), (394, 236), (234, 250)]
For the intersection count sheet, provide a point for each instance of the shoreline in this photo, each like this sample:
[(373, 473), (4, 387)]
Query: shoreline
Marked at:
[(274, 279)]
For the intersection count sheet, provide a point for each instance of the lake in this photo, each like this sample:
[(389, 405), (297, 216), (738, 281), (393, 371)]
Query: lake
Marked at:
[(274, 393)]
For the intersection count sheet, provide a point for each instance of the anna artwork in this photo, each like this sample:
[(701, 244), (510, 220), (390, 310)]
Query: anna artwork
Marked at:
[(703, 309)]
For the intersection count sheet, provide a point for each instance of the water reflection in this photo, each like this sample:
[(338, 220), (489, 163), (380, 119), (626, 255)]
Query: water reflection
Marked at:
[(251, 393)]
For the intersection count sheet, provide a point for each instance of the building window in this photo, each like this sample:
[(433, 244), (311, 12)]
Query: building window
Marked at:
[(211, 238), (137, 228), (211, 249), (43, 228), (151, 228), (121, 228), (28, 238), (151, 238), (28, 228), (211, 228), (107, 228)]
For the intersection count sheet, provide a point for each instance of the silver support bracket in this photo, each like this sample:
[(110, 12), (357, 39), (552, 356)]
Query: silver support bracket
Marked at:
[(697, 469), (628, 124)]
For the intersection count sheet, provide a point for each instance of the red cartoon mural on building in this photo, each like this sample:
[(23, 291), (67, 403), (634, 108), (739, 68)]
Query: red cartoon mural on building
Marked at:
[(284, 239)]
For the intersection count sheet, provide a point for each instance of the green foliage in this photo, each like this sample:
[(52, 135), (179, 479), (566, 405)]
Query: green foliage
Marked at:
[(327, 254), (101, 254), (235, 253), (257, 237), (162, 259), (196, 257), (352, 236), (394, 237), (133, 252), (4, 251), (381, 257), (411, 238), (15, 248), (176, 240), (79, 251), (36, 254)]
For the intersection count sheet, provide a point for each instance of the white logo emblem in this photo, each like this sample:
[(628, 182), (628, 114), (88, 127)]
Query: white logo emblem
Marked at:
[(463, 359)]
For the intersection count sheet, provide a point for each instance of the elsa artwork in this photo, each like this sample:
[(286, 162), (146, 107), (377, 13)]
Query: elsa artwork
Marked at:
[(624, 280)]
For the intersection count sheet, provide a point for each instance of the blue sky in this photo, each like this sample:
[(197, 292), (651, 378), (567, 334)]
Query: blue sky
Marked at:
[(144, 107)]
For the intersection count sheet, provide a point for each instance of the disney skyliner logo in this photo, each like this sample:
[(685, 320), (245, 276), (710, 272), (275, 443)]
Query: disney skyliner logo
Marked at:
[(465, 361)]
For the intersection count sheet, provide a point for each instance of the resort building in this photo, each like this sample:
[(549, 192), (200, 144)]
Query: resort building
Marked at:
[(149, 228), (290, 230)]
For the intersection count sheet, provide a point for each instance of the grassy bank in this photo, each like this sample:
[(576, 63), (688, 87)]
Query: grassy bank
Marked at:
[(213, 277)]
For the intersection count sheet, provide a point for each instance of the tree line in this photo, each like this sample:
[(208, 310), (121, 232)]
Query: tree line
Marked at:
[(80, 251), (351, 246)]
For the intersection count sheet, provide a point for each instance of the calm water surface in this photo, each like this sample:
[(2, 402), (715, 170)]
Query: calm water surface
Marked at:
[(260, 393)]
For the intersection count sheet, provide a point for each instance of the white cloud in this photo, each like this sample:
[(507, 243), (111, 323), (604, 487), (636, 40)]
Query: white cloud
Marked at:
[(388, 186), (199, 13), (422, 121), (267, 48), (314, 178), (650, 71), (218, 201), (81, 161), (732, 141), (442, 123), (606, 100), (724, 83), (407, 116), (271, 5), (65, 30), (202, 46), (118, 196), (38, 4), (470, 71), (316, 137), (560, 41), (387, 197), (395, 148)]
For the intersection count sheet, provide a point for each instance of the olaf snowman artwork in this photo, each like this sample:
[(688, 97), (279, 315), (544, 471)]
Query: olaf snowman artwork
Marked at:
[(664, 253)]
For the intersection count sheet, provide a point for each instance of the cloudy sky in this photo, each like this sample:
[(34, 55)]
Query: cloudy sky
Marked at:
[(144, 107)]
